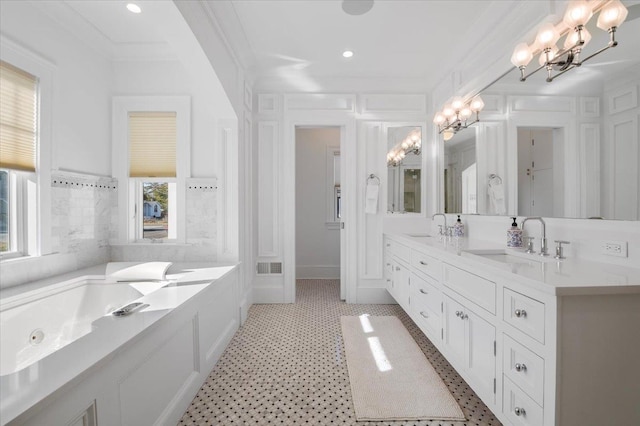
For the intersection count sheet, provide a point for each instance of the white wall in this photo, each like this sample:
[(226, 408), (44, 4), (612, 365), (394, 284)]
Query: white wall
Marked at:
[(317, 242)]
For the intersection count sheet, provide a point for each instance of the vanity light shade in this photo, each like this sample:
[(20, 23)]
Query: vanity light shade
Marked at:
[(448, 111), (465, 113), (447, 135), (457, 103), (578, 13), (612, 15), (547, 36), (476, 104), (522, 55), (572, 38), (439, 118)]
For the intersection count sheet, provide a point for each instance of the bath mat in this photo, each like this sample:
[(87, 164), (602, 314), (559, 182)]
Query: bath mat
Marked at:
[(390, 377)]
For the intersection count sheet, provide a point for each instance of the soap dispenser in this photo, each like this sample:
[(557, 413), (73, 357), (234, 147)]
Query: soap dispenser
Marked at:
[(458, 228), (514, 235)]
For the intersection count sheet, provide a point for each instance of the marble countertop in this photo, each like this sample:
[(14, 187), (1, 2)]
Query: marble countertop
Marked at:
[(23, 389), (559, 277)]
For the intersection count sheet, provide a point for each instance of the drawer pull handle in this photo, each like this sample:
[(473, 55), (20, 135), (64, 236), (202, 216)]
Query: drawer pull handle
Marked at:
[(424, 315), (388, 264), (520, 367), (463, 316), (519, 411), (422, 262), (520, 313), (423, 291), (398, 268)]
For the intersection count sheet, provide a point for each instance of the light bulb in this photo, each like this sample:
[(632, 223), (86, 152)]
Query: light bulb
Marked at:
[(476, 104), (465, 113), (573, 38), (544, 57), (448, 111), (547, 35), (439, 118), (405, 144), (447, 135), (612, 15), (133, 8), (347, 54), (521, 55), (415, 137), (578, 13), (457, 103)]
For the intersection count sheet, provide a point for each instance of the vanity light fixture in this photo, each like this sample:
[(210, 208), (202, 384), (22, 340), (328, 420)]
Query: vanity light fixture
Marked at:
[(133, 8), (347, 53), (455, 116), (411, 144), (578, 13)]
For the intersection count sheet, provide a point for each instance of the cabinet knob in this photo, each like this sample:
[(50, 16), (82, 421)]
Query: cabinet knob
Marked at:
[(422, 262), (388, 245), (458, 313), (424, 314), (423, 291), (519, 411), (520, 367), (463, 316), (520, 313)]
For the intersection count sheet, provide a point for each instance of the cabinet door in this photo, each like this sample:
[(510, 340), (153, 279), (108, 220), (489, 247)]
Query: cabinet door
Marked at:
[(402, 286), (480, 351), (454, 332)]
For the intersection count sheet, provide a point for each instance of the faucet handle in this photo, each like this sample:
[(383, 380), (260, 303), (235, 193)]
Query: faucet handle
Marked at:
[(559, 255), (529, 242)]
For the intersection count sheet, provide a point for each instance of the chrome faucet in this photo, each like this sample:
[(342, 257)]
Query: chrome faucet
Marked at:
[(443, 216), (543, 238)]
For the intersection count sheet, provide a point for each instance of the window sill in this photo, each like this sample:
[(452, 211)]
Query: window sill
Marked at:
[(15, 258)]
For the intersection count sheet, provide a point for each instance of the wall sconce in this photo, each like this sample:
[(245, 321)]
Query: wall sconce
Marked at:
[(455, 116), (578, 13), (411, 144)]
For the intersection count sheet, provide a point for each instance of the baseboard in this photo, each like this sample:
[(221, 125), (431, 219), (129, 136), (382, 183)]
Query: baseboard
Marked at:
[(268, 294), (308, 272), (374, 296), (246, 300)]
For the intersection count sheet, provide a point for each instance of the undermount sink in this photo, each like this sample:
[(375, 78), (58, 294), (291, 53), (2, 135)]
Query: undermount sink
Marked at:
[(511, 257)]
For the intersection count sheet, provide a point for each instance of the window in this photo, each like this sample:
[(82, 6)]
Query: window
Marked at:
[(151, 152), (18, 139)]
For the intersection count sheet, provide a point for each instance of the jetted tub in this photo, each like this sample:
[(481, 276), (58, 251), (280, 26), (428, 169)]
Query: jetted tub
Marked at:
[(33, 326)]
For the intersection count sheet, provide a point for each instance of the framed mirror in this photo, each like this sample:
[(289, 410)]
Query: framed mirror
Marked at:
[(568, 148), (405, 169)]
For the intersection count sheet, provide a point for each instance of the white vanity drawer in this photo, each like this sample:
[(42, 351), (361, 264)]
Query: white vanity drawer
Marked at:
[(429, 319), (477, 289), (425, 294), (524, 368), (397, 249), (426, 264), (524, 313), (519, 408)]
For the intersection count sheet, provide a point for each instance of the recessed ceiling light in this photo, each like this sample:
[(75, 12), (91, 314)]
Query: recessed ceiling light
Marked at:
[(357, 7), (347, 53), (134, 8)]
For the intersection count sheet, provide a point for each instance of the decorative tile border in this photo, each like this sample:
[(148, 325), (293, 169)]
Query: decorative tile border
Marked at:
[(82, 181)]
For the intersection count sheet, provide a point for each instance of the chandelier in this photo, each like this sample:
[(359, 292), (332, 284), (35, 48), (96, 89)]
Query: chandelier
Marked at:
[(578, 13), (411, 144), (457, 116)]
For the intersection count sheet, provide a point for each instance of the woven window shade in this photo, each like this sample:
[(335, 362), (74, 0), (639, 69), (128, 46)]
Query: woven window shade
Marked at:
[(152, 144), (18, 118)]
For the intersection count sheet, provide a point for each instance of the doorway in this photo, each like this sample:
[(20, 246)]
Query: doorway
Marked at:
[(319, 203)]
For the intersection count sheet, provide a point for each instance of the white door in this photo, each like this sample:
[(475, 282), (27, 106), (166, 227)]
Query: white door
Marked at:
[(535, 172)]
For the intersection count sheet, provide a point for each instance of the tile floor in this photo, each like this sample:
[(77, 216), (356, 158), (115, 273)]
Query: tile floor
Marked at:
[(286, 366)]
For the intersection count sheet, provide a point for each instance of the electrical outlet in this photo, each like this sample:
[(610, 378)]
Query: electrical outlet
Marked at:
[(615, 248)]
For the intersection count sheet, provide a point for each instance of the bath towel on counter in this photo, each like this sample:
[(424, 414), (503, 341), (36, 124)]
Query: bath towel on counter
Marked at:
[(496, 197), (371, 198), (137, 271)]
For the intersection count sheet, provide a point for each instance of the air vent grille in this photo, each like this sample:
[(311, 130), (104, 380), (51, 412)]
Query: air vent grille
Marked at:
[(265, 268)]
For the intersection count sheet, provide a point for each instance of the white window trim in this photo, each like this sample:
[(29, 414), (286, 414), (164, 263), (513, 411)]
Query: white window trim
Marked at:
[(135, 225), (121, 107), (36, 187)]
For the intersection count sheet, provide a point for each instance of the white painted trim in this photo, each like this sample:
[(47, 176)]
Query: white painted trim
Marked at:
[(268, 195), (330, 154), (305, 272), (320, 102), (590, 171), (589, 107), (227, 199), (404, 103), (268, 104), (375, 296), (121, 105), (617, 101)]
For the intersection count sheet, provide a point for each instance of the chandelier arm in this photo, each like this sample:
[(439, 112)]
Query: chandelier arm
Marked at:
[(612, 43), (551, 78)]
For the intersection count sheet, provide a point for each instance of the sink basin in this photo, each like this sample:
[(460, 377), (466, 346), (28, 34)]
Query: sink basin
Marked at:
[(419, 235), (511, 257)]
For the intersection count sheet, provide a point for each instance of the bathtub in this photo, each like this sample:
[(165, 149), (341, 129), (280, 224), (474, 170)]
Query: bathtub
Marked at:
[(66, 359), (33, 326)]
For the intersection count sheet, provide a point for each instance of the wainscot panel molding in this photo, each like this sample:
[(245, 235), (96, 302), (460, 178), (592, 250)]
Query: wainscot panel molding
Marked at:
[(269, 104), (369, 104), (248, 97), (624, 183), (544, 104), (589, 107), (589, 150), (493, 104), (268, 188), (623, 98), (319, 101)]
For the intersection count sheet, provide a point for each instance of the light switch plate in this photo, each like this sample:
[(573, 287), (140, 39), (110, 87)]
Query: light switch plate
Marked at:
[(615, 248)]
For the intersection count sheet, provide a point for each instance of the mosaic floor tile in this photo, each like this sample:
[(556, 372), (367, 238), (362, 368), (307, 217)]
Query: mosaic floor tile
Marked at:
[(286, 366)]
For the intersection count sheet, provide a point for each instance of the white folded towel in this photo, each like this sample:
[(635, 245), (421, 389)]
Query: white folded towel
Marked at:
[(137, 271), (371, 198), (496, 197)]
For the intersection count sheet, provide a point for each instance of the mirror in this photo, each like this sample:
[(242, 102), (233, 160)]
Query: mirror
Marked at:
[(404, 169), (569, 148)]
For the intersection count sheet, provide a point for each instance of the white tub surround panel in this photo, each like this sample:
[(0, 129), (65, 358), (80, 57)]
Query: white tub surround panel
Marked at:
[(541, 342), (114, 368)]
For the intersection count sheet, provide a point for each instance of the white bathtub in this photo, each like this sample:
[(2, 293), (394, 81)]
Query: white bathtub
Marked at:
[(33, 326), (66, 360)]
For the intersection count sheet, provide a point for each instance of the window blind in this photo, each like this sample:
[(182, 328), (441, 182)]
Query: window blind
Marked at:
[(152, 144), (18, 118)]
